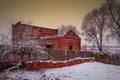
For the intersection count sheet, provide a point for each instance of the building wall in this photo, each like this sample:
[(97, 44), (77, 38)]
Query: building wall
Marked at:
[(54, 42), (23, 32), (17, 32), (63, 43), (66, 42)]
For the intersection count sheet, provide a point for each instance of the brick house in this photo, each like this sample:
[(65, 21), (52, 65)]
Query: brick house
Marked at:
[(69, 41)]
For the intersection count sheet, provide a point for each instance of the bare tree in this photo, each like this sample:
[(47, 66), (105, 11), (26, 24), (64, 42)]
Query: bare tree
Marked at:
[(26, 44), (5, 43), (4, 39), (32, 48), (94, 26), (113, 8)]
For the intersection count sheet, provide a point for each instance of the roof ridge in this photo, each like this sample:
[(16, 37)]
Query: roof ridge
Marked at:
[(19, 23)]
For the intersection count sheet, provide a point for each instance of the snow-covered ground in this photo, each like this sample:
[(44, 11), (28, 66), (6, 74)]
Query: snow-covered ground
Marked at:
[(85, 71)]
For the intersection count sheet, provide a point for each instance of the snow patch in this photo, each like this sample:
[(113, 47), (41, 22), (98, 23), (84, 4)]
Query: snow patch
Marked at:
[(85, 71)]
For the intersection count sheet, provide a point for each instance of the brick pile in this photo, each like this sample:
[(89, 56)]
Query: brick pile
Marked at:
[(36, 65)]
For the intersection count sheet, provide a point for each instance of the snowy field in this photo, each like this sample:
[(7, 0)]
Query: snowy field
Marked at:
[(85, 71)]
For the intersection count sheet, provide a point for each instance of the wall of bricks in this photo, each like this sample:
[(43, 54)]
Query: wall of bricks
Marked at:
[(35, 65), (57, 43), (21, 32)]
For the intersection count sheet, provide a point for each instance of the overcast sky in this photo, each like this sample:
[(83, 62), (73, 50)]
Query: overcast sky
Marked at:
[(45, 13)]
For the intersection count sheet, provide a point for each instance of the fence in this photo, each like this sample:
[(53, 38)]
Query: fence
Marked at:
[(61, 55), (66, 55), (109, 59)]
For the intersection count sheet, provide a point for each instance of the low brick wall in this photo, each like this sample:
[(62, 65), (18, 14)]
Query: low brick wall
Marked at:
[(35, 65)]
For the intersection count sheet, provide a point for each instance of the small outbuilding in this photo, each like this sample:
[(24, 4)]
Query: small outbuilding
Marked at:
[(69, 41)]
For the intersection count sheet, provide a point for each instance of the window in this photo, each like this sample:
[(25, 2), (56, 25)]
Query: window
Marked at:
[(70, 47), (49, 46)]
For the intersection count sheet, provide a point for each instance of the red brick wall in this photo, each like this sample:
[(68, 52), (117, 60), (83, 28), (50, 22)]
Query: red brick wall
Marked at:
[(27, 32), (17, 31), (54, 41), (70, 39), (65, 42), (49, 32)]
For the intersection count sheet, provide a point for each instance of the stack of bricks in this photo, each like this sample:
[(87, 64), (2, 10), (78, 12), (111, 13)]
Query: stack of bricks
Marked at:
[(36, 65)]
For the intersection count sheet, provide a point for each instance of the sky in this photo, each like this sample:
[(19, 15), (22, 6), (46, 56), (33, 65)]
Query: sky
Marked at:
[(45, 13)]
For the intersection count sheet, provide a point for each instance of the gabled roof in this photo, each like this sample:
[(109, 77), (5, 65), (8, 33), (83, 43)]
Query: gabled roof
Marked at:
[(71, 34)]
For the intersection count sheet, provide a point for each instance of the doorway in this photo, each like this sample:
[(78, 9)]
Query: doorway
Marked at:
[(70, 47)]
